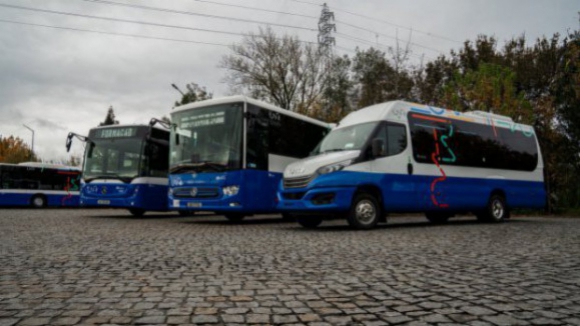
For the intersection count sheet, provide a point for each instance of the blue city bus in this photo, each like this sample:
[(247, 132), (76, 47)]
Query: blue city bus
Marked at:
[(406, 157), (125, 166), (227, 155), (39, 185)]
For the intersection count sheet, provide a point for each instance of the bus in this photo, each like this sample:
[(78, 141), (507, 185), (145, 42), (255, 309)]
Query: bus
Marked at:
[(125, 166), (406, 157), (39, 185), (227, 155)]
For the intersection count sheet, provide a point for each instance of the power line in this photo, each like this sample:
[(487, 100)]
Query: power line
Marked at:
[(257, 9), (111, 33), (131, 21), (197, 14), (360, 40), (384, 22)]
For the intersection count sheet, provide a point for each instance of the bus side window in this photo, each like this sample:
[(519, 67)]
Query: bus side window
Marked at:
[(396, 139)]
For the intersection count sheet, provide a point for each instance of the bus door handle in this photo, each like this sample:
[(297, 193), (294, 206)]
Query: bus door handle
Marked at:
[(409, 168)]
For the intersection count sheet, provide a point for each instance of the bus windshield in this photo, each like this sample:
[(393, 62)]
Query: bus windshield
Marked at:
[(113, 158), (347, 138), (208, 139)]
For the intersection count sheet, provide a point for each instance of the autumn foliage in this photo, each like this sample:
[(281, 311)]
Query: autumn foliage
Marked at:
[(14, 150)]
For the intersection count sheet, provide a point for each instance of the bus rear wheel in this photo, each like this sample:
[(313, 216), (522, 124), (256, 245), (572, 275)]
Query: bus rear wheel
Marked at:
[(496, 210), (365, 212), (138, 212), (309, 222), (38, 201), (235, 217)]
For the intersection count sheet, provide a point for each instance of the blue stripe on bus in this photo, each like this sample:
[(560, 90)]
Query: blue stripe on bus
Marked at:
[(412, 193), (257, 193), (24, 199), (149, 197)]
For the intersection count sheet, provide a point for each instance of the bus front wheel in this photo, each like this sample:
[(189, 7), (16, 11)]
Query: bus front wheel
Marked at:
[(138, 212), (309, 222), (235, 217), (365, 212), (38, 201)]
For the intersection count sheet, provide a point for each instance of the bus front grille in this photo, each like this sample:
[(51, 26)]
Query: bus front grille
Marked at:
[(196, 192), (300, 182)]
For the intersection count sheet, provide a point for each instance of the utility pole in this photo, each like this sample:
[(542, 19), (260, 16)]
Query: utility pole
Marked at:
[(32, 130), (325, 28)]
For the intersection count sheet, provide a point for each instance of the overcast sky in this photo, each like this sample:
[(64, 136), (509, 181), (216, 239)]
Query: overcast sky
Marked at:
[(61, 80)]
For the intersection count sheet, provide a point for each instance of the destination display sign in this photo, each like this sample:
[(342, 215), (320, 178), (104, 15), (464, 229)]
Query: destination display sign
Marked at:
[(203, 120), (116, 132)]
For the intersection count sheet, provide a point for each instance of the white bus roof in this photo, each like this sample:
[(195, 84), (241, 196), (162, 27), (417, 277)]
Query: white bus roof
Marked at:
[(48, 165), (386, 111), (242, 98)]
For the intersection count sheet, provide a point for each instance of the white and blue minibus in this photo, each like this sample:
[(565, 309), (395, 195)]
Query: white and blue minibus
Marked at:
[(39, 185), (227, 155), (406, 157), (125, 166)]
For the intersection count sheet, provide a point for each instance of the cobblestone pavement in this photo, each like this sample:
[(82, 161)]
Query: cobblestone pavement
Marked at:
[(65, 267)]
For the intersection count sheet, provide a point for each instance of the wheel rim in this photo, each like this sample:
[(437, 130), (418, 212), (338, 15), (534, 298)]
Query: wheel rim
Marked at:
[(497, 209), (38, 202), (365, 211)]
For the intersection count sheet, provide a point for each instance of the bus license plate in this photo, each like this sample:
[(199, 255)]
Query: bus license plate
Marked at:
[(193, 204), (103, 202)]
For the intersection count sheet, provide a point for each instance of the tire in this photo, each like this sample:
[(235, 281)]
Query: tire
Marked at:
[(137, 212), (235, 217), (496, 210), (38, 201), (309, 222), (437, 218), (186, 213), (288, 217), (364, 212)]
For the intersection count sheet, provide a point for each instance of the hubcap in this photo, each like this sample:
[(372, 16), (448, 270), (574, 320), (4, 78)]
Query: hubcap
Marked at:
[(497, 209), (38, 201), (365, 211)]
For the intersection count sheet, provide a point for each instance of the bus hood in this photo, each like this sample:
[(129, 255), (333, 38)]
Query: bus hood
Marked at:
[(310, 165)]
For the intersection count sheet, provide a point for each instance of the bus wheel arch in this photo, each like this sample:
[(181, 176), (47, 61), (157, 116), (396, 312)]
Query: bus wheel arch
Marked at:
[(38, 201), (366, 208)]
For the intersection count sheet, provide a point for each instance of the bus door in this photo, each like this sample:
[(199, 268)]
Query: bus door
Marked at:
[(393, 168)]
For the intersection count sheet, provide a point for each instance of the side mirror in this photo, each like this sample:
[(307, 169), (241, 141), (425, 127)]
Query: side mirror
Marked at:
[(377, 146), (69, 141)]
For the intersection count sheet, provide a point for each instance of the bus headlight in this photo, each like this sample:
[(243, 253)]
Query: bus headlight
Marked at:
[(231, 190), (333, 167)]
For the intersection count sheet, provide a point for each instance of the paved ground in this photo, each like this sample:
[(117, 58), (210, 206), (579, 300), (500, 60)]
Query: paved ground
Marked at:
[(65, 267)]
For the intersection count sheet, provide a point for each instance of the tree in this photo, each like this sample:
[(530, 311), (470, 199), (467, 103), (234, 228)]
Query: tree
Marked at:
[(14, 150), (282, 71), (110, 118), (194, 93), (336, 97)]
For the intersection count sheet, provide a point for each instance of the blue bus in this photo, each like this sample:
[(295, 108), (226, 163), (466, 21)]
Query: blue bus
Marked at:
[(406, 157), (125, 166), (39, 185), (227, 155)]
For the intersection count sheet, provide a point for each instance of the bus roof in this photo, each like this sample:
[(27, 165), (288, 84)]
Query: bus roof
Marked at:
[(44, 165), (390, 110), (242, 98)]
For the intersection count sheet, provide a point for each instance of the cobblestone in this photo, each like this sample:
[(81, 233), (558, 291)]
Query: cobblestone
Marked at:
[(81, 267)]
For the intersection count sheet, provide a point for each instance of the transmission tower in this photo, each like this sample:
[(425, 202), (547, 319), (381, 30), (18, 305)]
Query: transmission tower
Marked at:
[(325, 28)]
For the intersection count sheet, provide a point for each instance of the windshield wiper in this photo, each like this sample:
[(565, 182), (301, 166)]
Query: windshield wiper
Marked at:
[(198, 167), (108, 176), (333, 150)]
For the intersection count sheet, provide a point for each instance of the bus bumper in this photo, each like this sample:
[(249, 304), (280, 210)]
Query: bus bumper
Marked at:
[(231, 204), (316, 200)]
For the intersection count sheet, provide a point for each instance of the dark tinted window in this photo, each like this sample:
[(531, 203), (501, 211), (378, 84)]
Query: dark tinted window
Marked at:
[(23, 177), (257, 141), (394, 138), (464, 143)]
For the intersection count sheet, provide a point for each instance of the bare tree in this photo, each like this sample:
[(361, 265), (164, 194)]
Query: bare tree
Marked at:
[(281, 70)]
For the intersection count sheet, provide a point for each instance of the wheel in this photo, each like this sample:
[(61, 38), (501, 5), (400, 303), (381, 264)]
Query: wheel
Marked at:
[(38, 201), (364, 212), (186, 213), (437, 218), (309, 222), (235, 217), (496, 210), (138, 212), (288, 217)]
